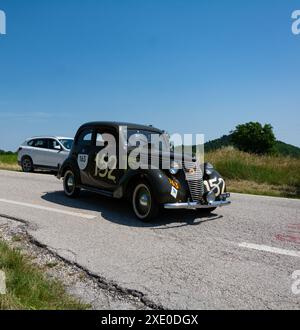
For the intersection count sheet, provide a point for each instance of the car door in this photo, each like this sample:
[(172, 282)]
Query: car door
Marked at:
[(39, 152), (83, 152), (56, 153), (105, 147)]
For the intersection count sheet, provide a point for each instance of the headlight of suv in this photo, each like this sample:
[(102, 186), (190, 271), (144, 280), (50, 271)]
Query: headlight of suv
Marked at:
[(174, 168), (209, 168)]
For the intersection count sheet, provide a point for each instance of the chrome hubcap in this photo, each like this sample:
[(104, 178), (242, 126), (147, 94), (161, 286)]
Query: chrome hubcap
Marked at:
[(69, 183), (142, 201)]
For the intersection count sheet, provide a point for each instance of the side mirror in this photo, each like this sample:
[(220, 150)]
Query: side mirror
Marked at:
[(57, 147)]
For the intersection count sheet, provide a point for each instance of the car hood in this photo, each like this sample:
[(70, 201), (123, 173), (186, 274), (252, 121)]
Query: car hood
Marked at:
[(171, 155)]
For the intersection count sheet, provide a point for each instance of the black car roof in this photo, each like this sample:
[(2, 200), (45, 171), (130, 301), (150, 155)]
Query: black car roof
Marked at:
[(118, 124)]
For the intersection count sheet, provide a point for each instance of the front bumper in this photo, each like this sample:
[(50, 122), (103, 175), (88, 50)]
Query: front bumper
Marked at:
[(195, 205)]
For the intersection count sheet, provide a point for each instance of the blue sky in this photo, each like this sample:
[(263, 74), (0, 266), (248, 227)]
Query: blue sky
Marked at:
[(188, 66)]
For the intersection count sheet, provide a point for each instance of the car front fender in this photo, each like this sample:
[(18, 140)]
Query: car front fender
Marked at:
[(159, 182)]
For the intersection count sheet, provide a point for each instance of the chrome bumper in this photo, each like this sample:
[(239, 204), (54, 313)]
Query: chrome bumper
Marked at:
[(194, 205)]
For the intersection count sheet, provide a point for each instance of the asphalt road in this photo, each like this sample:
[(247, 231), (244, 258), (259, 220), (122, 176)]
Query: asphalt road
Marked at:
[(240, 257)]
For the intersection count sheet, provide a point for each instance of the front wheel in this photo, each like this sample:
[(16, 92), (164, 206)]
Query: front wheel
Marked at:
[(144, 205), (27, 164), (70, 188)]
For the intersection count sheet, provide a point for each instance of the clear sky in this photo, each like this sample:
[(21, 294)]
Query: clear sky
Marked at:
[(187, 66)]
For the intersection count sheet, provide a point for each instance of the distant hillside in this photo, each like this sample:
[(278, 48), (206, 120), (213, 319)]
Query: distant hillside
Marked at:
[(281, 148), (287, 149), (213, 145)]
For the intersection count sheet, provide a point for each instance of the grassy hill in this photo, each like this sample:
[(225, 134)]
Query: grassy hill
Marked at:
[(281, 148), (285, 149), (275, 175), (253, 174)]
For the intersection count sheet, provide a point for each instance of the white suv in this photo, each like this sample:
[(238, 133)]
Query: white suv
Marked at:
[(45, 153)]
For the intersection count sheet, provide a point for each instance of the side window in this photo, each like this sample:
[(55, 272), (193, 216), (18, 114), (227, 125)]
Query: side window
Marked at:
[(106, 138), (40, 143), (30, 143), (53, 144), (85, 138), (99, 140)]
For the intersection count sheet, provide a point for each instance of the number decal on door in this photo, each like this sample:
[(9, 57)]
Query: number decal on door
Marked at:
[(105, 168)]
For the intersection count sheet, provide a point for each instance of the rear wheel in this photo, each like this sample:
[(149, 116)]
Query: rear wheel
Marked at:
[(27, 164), (70, 188), (144, 205)]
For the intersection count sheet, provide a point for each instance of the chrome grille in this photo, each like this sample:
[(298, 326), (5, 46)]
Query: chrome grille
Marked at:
[(194, 177)]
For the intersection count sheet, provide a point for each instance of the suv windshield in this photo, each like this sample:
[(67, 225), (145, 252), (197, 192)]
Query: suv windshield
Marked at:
[(67, 143)]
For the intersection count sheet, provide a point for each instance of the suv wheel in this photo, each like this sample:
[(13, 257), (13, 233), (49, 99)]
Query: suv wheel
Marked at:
[(144, 205), (70, 188), (27, 164)]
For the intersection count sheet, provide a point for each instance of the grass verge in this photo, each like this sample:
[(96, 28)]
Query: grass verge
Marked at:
[(28, 288), (260, 175), (9, 162)]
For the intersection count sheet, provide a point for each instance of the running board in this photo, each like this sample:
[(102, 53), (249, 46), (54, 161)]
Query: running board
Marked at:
[(97, 191)]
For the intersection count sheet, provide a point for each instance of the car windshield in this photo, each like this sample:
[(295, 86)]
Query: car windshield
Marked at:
[(148, 137), (67, 143)]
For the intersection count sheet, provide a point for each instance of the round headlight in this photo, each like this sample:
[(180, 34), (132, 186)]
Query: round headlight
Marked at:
[(210, 197), (209, 168), (174, 168)]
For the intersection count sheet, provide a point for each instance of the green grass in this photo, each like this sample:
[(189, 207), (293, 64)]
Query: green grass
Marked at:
[(269, 175), (28, 288), (9, 159), (9, 162)]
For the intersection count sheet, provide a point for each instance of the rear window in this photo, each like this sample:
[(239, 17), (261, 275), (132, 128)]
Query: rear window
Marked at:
[(85, 137), (38, 143)]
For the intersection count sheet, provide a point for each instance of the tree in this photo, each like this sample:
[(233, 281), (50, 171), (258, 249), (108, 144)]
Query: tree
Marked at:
[(253, 137)]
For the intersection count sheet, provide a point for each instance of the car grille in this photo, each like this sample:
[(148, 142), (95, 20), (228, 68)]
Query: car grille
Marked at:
[(194, 177)]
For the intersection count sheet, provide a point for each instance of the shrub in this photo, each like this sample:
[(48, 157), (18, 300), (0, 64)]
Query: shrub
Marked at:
[(254, 138)]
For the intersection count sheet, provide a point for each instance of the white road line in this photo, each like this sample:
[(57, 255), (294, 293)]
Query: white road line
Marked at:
[(45, 208), (270, 249)]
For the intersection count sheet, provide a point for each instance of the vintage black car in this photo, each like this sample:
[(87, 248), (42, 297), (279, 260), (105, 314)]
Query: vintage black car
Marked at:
[(189, 186)]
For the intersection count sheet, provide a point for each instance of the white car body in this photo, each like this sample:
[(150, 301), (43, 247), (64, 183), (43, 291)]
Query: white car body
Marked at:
[(45, 152)]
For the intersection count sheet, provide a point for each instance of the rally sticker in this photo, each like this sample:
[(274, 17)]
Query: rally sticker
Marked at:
[(82, 161), (174, 192)]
